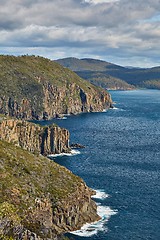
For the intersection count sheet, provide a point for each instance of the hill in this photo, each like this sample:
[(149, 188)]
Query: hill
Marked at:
[(97, 72), (35, 88), (40, 199), (112, 76)]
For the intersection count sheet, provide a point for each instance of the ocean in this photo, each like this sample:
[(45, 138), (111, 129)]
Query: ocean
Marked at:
[(121, 161)]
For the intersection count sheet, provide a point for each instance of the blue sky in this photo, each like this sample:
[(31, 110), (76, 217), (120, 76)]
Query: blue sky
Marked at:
[(125, 32)]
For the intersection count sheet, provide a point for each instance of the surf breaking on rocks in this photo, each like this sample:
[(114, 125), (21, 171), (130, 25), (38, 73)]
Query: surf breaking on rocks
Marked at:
[(105, 212)]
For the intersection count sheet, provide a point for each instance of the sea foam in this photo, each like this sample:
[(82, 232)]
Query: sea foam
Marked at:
[(61, 118), (100, 194), (72, 153), (105, 212)]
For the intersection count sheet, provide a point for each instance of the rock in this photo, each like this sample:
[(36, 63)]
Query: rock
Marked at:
[(40, 199), (59, 116), (40, 93), (77, 145), (35, 138)]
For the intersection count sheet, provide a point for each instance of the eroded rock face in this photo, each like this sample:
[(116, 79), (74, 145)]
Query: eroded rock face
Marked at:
[(76, 210), (40, 199), (34, 138), (49, 219), (55, 218), (56, 100), (38, 88)]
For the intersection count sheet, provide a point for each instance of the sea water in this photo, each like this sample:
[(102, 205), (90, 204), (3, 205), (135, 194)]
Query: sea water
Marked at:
[(121, 160)]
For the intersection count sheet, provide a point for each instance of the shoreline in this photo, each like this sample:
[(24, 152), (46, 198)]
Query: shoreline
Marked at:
[(105, 213)]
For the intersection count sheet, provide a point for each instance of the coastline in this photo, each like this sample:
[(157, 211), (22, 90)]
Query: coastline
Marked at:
[(105, 213)]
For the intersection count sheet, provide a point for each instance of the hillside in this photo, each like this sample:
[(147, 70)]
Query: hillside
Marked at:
[(97, 72), (40, 199), (104, 80), (35, 88), (112, 76)]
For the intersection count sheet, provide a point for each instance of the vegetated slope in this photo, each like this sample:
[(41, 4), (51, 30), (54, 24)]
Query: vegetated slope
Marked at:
[(40, 199), (105, 80), (85, 64), (143, 78), (34, 87), (98, 71)]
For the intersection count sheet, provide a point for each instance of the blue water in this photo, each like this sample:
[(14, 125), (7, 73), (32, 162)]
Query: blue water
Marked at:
[(122, 157)]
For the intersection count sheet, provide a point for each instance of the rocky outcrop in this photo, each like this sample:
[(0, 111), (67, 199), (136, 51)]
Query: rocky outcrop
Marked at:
[(57, 101), (38, 88), (35, 138), (77, 145), (72, 99), (69, 214), (72, 216), (40, 199)]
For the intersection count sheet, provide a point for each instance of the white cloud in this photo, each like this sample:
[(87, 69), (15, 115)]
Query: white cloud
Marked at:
[(100, 1), (124, 29)]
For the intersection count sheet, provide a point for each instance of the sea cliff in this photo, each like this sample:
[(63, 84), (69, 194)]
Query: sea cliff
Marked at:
[(40, 199), (38, 88), (35, 138)]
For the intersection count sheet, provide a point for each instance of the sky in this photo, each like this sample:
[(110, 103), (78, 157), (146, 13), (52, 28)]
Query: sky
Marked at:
[(124, 32)]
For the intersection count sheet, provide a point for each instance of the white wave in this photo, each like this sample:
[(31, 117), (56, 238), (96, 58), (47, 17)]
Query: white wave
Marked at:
[(119, 109), (72, 153), (104, 110), (90, 229), (62, 118), (100, 194)]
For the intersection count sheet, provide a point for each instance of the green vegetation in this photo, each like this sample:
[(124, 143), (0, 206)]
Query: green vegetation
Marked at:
[(104, 80), (85, 64), (22, 171), (95, 71), (26, 177), (24, 75), (31, 86), (108, 75)]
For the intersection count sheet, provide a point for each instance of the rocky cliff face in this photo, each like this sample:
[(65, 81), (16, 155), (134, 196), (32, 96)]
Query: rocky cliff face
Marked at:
[(36, 88), (73, 99), (70, 99), (39, 199), (34, 138)]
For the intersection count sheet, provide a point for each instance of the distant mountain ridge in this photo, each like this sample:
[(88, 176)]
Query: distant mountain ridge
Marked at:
[(112, 76)]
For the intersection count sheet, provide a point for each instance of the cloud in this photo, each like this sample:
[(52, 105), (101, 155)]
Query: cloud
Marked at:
[(100, 1), (118, 29)]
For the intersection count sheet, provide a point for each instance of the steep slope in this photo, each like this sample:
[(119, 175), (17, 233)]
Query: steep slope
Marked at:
[(97, 72), (34, 87), (109, 75), (39, 199)]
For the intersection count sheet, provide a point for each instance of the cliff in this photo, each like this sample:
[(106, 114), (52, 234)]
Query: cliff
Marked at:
[(38, 198), (35, 88), (34, 138)]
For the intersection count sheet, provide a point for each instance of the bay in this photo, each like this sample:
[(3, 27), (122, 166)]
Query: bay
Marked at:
[(121, 159)]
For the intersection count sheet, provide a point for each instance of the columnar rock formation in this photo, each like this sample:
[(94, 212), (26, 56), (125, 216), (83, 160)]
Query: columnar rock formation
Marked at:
[(40, 199), (35, 138)]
